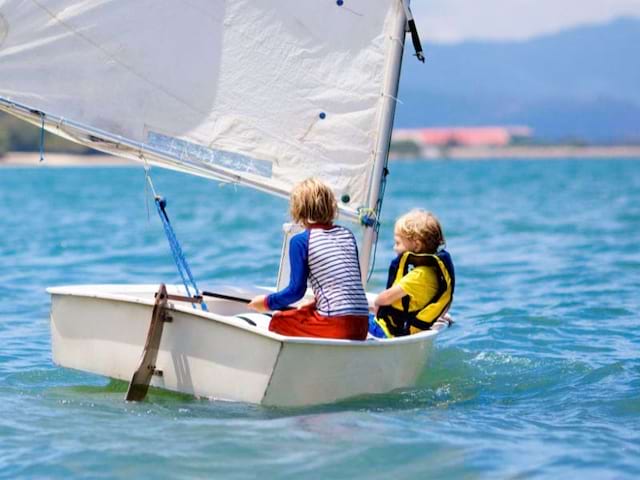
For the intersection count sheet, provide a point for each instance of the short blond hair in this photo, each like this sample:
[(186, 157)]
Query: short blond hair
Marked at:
[(313, 202), (422, 228)]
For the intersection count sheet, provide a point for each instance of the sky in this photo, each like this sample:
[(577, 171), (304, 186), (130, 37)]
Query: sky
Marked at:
[(450, 21)]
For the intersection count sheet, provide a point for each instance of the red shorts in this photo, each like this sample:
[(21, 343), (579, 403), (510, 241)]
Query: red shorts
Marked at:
[(307, 322)]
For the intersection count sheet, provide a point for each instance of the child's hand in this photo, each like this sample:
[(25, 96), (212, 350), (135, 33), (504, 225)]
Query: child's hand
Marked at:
[(258, 303)]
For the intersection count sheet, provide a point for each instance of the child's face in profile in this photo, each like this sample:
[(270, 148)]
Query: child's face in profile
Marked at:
[(402, 244)]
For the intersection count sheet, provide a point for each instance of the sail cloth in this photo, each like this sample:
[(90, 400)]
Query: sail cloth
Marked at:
[(269, 91)]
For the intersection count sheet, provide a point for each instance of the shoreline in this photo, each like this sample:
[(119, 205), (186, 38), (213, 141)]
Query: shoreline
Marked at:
[(524, 153), (32, 159)]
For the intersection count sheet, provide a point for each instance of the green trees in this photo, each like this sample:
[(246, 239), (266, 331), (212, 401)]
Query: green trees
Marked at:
[(19, 136), (4, 142), (405, 148)]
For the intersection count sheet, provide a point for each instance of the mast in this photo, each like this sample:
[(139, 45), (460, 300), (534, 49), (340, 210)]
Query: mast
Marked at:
[(390, 92)]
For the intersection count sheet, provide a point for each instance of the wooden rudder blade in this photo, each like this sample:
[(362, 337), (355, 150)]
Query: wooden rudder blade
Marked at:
[(139, 385)]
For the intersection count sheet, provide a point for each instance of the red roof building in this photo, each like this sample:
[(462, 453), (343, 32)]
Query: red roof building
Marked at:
[(463, 136)]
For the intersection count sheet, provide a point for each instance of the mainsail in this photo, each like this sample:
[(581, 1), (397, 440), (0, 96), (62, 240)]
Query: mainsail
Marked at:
[(260, 92)]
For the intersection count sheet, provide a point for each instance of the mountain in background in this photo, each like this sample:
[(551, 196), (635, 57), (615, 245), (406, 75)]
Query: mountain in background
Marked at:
[(582, 83)]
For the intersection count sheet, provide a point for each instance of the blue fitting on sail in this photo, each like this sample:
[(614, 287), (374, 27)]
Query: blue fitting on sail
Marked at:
[(367, 217), (339, 2), (176, 250), (322, 115)]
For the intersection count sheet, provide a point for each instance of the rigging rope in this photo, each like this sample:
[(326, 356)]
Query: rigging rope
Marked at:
[(42, 137), (176, 250), (369, 218)]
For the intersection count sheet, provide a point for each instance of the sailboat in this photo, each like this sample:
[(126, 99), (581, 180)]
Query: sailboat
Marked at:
[(249, 92)]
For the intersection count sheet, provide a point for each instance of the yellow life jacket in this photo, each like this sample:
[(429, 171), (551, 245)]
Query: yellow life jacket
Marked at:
[(397, 322)]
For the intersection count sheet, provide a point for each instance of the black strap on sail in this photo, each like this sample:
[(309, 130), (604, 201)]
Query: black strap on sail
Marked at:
[(415, 38)]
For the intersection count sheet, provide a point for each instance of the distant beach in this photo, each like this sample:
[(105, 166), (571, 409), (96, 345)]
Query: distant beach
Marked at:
[(32, 159), (524, 152), (26, 159)]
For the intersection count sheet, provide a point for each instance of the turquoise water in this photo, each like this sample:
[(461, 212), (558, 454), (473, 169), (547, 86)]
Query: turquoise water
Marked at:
[(539, 378)]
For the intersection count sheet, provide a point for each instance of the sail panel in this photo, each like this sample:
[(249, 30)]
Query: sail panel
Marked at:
[(273, 91)]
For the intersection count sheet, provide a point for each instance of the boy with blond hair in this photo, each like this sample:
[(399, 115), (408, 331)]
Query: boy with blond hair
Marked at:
[(327, 256), (421, 279)]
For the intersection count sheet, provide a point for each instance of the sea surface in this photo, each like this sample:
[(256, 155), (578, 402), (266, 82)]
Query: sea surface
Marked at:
[(538, 378)]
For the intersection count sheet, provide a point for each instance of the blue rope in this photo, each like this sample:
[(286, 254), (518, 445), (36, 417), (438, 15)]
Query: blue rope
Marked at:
[(178, 256), (42, 137)]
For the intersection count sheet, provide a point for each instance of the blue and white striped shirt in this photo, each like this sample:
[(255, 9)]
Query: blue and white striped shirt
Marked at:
[(328, 258)]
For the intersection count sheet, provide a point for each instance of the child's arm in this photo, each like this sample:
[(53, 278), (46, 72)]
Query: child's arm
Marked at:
[(390, 295), (299, 271)]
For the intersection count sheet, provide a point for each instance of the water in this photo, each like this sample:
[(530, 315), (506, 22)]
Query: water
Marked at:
[(540, 377)]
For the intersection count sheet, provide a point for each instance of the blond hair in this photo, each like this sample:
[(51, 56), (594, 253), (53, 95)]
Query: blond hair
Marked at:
[(313, 202), (422, 228)]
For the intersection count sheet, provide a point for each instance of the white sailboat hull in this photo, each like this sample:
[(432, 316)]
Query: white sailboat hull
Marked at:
[(103, 328)]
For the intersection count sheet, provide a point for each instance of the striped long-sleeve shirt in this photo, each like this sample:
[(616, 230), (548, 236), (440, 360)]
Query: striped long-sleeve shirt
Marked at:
[(328, 258)]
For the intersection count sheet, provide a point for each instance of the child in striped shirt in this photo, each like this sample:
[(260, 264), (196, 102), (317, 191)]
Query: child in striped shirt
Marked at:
[(326, 255)]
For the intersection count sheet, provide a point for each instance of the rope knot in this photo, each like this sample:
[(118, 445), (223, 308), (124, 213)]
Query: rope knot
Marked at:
[(162, 202), (367, 216)]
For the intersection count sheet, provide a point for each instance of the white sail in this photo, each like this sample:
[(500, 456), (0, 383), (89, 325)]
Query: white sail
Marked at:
[(266, 91)]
